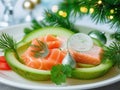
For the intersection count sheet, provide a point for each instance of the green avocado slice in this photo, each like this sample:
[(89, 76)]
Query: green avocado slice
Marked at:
[(23, 70), (38, 75), (92, 72)]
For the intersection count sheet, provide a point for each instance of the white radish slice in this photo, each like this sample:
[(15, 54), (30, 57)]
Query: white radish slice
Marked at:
[(80, 42)]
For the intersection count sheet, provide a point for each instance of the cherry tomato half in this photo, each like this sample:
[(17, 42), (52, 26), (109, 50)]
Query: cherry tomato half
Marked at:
[(3, 64)]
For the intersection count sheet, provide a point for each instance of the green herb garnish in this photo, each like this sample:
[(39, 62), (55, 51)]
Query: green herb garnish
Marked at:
[(8, 43), (40, 50), (59, 73), (112, 52)]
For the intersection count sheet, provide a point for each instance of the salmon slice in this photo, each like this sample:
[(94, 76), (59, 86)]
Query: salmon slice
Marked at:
[(50, 37), (54, 57), (92, 56), (52, 41), (54, 44)]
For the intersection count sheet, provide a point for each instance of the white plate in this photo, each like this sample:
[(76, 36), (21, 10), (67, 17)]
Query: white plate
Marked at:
[(13, 79)]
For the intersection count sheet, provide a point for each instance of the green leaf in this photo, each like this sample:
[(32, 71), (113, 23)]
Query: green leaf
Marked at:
[(59, 73)]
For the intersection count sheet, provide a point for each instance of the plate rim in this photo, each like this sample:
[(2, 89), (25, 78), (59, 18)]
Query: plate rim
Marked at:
[(86, 86)]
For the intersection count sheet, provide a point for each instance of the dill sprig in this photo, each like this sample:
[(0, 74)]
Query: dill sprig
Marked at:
[(40, 50), (7, 42), (112, 52)]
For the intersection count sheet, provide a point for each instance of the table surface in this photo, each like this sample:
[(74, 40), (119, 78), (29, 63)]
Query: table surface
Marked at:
[(115, 86)]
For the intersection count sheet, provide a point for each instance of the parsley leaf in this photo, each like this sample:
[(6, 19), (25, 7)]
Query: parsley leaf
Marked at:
[(59, 73)]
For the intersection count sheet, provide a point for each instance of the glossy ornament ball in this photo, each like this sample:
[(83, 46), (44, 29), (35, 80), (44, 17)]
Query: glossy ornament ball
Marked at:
[(36, 1), (29, 5)]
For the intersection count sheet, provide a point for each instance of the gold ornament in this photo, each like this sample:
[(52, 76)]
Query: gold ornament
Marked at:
[(64, 14), (83, 9), (36, 1), (91, 10), (60, 12), (100, 2), (112, 11), (27, 4), (54, 8), (110, 17)]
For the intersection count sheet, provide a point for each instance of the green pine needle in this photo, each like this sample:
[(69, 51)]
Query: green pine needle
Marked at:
[(112, 52), (105, 12), (54, 19)]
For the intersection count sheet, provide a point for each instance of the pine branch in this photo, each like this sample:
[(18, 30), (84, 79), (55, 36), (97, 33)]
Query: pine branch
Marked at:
[(51, 19), (55, 20), (101, 11)]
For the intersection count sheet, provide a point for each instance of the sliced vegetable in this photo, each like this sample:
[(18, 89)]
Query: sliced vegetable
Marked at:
[(80, 42), (3, 64), (2, 59), (92, 72)]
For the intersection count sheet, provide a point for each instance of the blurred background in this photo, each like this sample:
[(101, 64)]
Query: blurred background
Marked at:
[(22, 11), (13, 12)]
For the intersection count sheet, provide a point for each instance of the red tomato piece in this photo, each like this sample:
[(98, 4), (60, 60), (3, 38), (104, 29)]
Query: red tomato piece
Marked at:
[(2, 59), (3, 64)]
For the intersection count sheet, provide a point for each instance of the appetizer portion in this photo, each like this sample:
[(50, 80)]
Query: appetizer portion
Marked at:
[(39, 55), (44, 53)]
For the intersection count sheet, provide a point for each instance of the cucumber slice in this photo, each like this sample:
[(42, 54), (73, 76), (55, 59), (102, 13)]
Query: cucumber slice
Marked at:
[(60, 32), (81, 65), (80, 42), (92, 72)]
